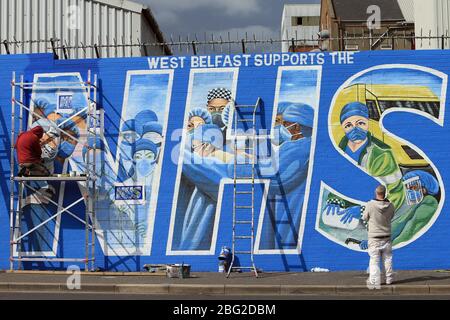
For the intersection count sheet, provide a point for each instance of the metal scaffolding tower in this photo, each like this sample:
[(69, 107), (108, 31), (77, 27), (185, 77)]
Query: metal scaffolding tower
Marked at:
[(245, 160), (87, 178)]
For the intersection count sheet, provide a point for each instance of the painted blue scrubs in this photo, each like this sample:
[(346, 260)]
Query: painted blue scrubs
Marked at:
[(286, 195), (203, 179)]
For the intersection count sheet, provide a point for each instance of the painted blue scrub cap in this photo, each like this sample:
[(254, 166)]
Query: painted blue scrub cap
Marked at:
[(354, 109), (144, 144), (143, 117), (202, 113), (300, 113), (152, 127), (282, 106)]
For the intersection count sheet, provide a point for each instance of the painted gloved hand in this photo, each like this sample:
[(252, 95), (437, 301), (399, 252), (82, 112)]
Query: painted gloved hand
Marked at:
[(332, 209), (364, 245), (350, 213), (333, 206)]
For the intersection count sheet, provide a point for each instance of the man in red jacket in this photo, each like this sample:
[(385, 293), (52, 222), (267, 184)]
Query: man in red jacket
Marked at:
[(28, 147)]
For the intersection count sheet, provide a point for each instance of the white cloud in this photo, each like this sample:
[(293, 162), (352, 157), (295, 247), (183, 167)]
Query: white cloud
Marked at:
[(260, 32)]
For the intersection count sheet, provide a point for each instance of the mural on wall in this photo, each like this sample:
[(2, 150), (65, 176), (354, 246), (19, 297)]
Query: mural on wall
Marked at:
[(43, 199), (208, 161), (414, 185), (128, 193), (127, 188), (331, 126), (289, 169), (204, 156)]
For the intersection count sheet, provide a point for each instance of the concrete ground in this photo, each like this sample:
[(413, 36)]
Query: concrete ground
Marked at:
[(352, 284)]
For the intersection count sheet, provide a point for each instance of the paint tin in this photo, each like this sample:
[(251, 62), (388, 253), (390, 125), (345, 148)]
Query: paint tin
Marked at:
[(178, 271)]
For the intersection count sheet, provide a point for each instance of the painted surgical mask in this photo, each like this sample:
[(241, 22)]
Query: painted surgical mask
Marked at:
[(357, 134), (66, 149), (282, 134), (145, 162), (217, 119)]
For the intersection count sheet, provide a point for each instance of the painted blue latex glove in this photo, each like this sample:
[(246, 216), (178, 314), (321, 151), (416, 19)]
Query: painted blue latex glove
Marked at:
[(350, 213), (332, 209), (364, 245)]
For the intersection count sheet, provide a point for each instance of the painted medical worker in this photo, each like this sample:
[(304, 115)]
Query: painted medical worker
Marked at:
[(293, 133), (374, 156), (131, 130), (144, 158), (219, 102), (198, 117), (424, 204), (370, 153), (202, 173), (118, 223)]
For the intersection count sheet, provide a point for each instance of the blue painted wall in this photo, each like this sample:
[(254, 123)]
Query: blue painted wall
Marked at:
[(321, 167)]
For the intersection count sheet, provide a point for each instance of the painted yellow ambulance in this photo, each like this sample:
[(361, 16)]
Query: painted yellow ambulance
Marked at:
[(380, 98)]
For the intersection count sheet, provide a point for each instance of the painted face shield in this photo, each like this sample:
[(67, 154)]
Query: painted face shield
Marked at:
[(418, 184), (413, 190)]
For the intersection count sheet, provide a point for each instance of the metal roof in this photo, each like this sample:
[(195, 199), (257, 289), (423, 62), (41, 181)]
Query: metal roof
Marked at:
[(122, 4), (407, 7), (356, 10), (116, 26)]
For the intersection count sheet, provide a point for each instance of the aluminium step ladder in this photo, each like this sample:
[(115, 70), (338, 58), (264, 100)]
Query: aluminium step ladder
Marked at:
[(245, 145)]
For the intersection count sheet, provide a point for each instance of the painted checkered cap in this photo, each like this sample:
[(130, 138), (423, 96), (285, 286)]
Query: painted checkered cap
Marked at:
[(219, 93)]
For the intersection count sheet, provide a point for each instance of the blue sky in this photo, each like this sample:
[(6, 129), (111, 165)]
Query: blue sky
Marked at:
[(147, 92), (299, 86), (182, 17), (78, 98), (203, 82), (403, 77)]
